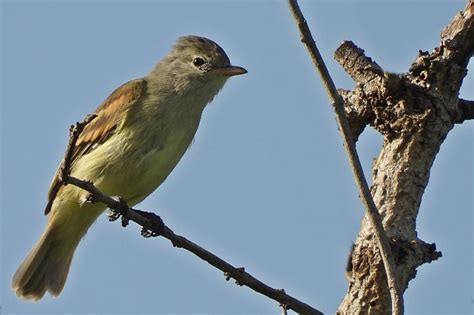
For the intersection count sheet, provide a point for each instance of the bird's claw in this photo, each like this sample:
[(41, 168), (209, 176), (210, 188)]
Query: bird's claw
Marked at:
[(155, 227), (148, 233), (114, 214)]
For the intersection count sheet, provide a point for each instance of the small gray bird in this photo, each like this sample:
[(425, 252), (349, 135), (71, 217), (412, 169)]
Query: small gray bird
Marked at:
[(141, 132)]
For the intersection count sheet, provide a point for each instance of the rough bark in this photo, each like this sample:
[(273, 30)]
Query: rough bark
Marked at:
[(414, 112)]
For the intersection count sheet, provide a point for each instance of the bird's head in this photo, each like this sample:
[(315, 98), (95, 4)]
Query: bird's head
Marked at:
[(196, 65)]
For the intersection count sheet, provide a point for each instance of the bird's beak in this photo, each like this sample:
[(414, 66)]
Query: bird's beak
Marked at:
[(230, 70)]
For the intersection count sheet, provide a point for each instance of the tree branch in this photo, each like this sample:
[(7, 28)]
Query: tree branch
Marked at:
[(154, 226), (74, 133), (376, 90), (447, 63), (414, 112), (364, 192), (358, 112), (457, 39), (65, 166), (465, 111), (360, 67)]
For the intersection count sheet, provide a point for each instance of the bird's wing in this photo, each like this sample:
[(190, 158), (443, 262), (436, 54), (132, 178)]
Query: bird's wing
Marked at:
[(109, 115)]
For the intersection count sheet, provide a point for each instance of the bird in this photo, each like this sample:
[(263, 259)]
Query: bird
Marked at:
[(140, 133)]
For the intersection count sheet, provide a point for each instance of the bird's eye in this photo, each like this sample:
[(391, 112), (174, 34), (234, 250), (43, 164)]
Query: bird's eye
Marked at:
[(197, 62)]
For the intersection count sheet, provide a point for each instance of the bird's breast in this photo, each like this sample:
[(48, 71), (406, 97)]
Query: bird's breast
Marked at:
[(138, 158)]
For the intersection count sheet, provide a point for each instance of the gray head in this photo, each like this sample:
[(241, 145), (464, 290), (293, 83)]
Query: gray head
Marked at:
[(195, 65)]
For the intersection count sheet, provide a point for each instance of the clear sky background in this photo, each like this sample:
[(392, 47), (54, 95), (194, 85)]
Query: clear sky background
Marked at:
[(266, 184)]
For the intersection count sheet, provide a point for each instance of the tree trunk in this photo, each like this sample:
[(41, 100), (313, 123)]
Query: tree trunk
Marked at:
[(414, 112)]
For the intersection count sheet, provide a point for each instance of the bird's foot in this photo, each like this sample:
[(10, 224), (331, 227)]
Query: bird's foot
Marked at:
[(114, 214), (156, 226)]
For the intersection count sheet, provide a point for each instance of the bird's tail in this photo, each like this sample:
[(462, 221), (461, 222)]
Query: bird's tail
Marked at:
[(46, 266)]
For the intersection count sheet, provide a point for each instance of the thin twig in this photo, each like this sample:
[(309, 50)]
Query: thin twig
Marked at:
[(74, 133), (65, 166), (364, 192), (155, 225)]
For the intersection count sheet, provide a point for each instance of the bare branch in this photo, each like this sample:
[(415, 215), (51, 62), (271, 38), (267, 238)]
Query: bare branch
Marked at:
[(65, 166), (74, 133), (442, 71), (364, 192), (465, 111), (457, 39), (154, 226), (360, 67)]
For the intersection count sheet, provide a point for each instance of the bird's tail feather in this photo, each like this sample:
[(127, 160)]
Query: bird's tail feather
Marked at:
[(45, 268)]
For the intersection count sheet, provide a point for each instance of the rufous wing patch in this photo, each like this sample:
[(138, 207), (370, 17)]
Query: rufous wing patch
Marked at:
[(109, 116)]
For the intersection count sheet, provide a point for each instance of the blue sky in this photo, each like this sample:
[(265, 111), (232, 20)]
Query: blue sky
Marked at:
[(266, 184)]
